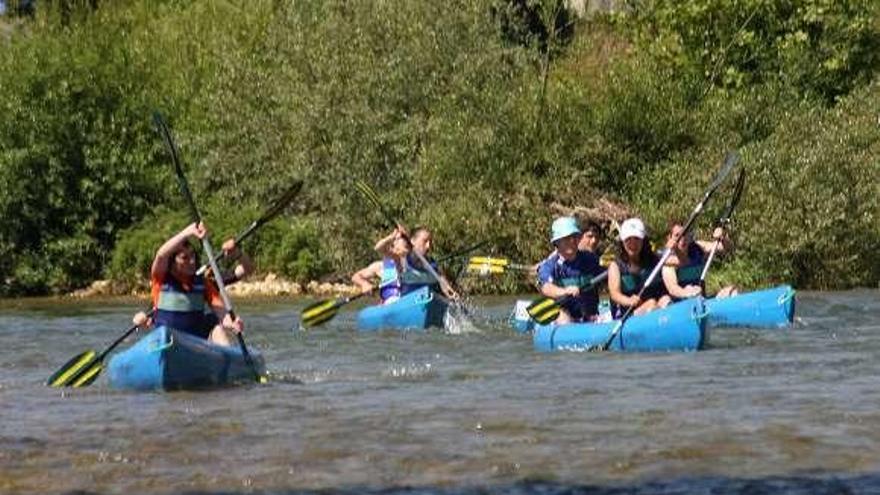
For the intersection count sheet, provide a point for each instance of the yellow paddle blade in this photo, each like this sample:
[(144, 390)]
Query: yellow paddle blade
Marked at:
[(87, 376), (543, 310), (317, 309), (319, 312), (485, 260), (63, 376), (485, 269)]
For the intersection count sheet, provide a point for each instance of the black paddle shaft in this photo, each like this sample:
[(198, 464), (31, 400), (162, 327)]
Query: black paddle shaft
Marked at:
[(206, 243), (723, 222)]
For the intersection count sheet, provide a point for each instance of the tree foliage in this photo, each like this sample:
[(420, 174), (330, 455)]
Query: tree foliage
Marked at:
[(474, 117)]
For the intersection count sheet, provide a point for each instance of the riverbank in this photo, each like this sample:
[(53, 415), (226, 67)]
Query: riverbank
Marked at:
[(271, 285)]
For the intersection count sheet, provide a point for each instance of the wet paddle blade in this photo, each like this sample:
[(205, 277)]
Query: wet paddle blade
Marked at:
[(65, 375), (320, 318), (319, 312), (543, 311), (88, 375)]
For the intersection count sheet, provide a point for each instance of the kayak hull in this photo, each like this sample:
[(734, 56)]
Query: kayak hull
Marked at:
[(168, 359), (769, 308), (417, 310), (678, 327)]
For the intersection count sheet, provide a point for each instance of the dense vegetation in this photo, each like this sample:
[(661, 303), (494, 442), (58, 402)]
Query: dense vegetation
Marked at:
[(481, 118)]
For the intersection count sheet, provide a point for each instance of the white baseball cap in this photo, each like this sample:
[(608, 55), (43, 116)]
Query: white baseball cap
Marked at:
[(632, 227)]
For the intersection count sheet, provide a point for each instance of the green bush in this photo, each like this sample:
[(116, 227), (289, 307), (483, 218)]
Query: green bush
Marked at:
[(458, 124)]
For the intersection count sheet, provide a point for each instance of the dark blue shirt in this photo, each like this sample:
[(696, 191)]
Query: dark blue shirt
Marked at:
[(574, 273)]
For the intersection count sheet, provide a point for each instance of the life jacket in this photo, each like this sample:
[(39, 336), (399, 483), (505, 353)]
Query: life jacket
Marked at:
[(389, 282), (631, 284), (414, 278), (689, 273), (182, 309), (564, 275)]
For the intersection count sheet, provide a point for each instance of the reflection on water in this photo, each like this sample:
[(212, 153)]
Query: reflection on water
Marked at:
[(793, 411)]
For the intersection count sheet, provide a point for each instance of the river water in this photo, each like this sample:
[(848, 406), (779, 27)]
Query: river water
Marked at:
[(772, 411)]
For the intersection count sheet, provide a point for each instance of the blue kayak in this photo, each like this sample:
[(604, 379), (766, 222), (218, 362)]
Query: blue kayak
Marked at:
[(678, 327), (167, 359), (417, 310), (768, 308)]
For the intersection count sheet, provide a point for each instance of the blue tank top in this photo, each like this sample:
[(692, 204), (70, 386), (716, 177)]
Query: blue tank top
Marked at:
[(389, 283)]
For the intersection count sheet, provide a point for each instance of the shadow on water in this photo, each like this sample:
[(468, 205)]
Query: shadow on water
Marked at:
[(788, 485)]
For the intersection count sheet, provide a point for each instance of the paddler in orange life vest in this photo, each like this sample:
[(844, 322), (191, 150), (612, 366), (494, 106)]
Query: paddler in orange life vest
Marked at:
[(180, 297)]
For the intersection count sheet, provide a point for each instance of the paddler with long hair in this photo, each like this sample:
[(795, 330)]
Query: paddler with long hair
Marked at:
[(684, 267), (630, 270)]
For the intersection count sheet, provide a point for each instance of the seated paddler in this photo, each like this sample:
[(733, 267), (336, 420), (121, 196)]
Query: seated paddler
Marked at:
[(565, 275), (628, 274), (413, 275), (184, 300), (683, 270), (386, 271)]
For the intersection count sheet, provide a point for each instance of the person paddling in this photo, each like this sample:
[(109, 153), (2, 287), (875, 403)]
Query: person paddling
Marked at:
[(239, 272), (684, 267), (564, 273), (631, 267), (179, 296), (387, 270), (413, 275)]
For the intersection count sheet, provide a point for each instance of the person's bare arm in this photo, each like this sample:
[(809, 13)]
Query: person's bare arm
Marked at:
[(163, 255), (614, 292), (364, 277)]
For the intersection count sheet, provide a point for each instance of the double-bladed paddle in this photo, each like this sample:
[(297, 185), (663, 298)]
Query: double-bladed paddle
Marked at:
[(462, 252), (206, 244), (730, 161), (724, 222), (84, 368), (267, 216), (485, 265)]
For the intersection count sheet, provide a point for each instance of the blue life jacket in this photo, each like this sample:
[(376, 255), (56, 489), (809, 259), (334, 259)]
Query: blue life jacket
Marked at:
[(389, 283), (574, 273), (182, 309)]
